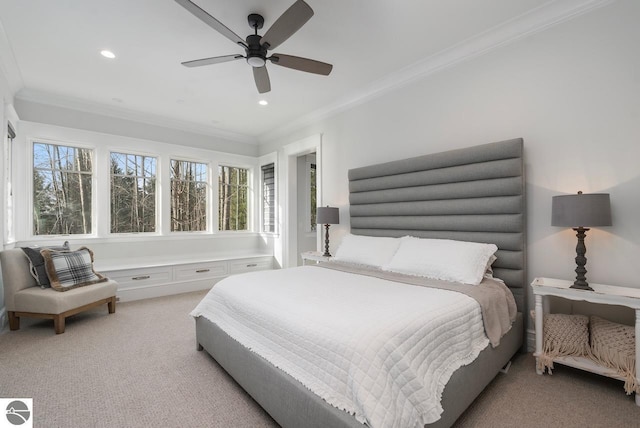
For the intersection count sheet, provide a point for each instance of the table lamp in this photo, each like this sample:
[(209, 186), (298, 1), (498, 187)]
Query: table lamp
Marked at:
[(327, 215), (580, 212)]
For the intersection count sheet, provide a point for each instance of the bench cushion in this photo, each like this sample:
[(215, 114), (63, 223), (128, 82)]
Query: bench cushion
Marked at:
[(49, 301)]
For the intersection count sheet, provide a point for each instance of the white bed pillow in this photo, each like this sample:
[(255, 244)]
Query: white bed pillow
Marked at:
[(367, 250), (444, 259), (488, 271)]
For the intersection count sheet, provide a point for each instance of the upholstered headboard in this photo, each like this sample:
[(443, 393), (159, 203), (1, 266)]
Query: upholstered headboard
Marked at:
[(471, 194)]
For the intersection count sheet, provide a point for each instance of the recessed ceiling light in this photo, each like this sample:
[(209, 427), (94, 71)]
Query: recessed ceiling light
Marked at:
[(107, 54), (263, 102)]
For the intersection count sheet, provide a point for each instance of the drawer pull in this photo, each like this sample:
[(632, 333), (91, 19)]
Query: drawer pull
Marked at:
[(252, 265), (137, 278), (202, 270)]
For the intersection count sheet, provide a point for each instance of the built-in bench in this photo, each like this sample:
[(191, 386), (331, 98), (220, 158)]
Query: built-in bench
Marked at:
[(140, 279)]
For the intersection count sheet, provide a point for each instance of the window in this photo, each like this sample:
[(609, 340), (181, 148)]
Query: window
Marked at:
[(133, 193), (188, 196), (8, 182), (312, 195), (268, 198), (62, 189), (233, 192)]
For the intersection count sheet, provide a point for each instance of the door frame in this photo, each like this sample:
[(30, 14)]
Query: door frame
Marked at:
[(291, 152)]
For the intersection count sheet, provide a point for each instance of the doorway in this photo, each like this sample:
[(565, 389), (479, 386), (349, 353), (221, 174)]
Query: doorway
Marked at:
[(303, 184), (307, 203)]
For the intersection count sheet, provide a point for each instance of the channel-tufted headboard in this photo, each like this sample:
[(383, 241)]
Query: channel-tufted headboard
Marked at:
[(471, 194)]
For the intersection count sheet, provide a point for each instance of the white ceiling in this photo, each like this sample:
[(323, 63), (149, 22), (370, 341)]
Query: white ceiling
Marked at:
[(55, 49)]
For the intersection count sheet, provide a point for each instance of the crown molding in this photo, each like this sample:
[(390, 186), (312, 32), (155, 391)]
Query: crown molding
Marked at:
[(62, 101), (536, 20), (8, 65)]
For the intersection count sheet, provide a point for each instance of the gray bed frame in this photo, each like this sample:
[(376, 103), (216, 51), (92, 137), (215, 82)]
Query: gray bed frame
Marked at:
[(472, 194)]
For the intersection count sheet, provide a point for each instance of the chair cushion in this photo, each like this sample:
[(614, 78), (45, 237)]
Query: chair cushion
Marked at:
[(70, 269), (49, 301)]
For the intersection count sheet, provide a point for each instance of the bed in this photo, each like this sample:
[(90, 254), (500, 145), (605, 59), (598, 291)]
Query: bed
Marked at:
[(473, 194)]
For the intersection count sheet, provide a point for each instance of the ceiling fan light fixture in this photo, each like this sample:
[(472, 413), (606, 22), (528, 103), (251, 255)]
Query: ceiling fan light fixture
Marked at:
[(263, 102), (256, 61)]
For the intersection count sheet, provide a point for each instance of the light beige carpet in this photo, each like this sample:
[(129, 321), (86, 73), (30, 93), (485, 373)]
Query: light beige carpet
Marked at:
[(140, 368)]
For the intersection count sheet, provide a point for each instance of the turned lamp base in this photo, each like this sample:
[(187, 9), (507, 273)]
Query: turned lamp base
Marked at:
[(581, 261), (326, 241)]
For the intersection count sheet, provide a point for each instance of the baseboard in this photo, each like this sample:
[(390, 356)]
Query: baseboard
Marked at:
[(531, 340), (149, 291)]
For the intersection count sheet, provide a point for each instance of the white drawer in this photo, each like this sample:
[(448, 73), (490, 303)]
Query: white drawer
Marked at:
[(248, 265), (197, 271), (140, 277)]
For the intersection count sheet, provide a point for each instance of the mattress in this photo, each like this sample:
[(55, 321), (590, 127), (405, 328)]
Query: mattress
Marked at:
[(380, 350)]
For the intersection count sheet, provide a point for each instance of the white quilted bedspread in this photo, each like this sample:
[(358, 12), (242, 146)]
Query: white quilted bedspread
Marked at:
[(378, 349)]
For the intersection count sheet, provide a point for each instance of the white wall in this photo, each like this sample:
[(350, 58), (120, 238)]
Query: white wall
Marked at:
[(6, 102), (572, 92)]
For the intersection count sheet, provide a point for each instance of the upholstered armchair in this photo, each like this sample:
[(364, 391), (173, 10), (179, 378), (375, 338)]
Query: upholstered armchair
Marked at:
[(23, 296)]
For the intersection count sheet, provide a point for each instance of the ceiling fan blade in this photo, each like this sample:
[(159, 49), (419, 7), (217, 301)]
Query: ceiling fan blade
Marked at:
[(302, 64), (212, 60), (289, 22), (261, 76), (211, 21)]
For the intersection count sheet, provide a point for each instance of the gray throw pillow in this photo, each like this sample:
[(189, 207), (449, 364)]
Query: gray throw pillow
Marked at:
[(36, 262)]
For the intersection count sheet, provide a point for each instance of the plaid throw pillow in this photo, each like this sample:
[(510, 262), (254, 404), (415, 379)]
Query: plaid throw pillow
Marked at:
[(71, 269)]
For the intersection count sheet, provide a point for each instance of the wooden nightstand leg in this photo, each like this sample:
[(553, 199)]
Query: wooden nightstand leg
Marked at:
[(637, 354), (539, 330)]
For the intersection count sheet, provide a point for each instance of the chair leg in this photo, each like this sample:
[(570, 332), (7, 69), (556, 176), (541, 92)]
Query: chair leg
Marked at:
[(14, 321), (111, 304), (58, 324)]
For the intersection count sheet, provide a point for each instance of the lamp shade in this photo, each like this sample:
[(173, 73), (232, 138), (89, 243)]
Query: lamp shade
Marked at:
[(581, 210), (327, 215)]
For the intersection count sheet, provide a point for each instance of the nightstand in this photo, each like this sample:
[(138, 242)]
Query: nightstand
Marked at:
[(313, 257), (603, 294)]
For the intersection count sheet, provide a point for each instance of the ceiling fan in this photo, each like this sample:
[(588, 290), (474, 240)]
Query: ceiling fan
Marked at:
[(256, 46)]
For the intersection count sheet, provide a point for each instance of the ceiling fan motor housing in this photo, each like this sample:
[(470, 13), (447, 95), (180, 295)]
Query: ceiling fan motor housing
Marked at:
[(256, 54)]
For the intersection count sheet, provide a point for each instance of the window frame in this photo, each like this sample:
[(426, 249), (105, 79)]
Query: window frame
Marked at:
[(157, 201), (209, 202), (8, 183), (271, 158), (262, 198), (31, 203), (101, 146), (251, 206)]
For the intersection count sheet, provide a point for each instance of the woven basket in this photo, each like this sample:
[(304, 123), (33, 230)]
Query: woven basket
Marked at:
[(614, 345), (564, 335)]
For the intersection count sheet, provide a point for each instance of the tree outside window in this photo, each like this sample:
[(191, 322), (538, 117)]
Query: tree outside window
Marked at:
[(233, 190), (133, 193), (62, 189), (188, 196)]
